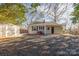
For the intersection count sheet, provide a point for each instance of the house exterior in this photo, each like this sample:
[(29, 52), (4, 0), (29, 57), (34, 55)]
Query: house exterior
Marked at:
[(45, 27), (7, 30)]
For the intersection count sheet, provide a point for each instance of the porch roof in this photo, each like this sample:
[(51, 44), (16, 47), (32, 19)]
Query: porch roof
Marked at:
[(45, 24)]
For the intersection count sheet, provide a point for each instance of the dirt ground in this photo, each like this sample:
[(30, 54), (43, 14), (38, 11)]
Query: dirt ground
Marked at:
[(36, 45)]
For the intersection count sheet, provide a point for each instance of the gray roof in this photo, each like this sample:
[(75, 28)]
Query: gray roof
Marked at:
[(46, 23)]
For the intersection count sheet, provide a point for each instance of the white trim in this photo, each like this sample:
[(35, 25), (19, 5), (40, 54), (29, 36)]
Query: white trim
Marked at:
[(44, 29)]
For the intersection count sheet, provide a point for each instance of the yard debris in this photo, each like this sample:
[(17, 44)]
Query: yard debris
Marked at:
[(45, 45)]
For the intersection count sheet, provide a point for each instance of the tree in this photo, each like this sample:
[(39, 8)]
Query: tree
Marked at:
[(75, 19), (56, 10), (12, 13), (75, 14), (32, 11)]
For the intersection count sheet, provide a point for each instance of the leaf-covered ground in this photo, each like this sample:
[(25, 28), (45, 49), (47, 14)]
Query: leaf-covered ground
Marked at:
[(52, 45)]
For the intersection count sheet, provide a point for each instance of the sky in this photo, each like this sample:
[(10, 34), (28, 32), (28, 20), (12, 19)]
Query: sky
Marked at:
[(46, 17)]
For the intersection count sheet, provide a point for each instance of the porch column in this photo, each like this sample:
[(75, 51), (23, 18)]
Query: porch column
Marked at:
[(38, 28), (45, 30)]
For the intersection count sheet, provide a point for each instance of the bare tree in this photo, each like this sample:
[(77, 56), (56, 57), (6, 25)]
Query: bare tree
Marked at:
[(56, 10)]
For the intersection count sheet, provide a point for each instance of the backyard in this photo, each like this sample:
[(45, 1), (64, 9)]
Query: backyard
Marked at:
[(36, 45), (48, 29)]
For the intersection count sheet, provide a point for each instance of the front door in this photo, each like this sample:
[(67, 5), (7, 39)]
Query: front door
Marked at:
[(52, 30)]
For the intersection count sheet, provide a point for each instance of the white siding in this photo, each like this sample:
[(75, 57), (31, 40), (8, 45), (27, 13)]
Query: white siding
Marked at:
[(57, 29), (48, 31)]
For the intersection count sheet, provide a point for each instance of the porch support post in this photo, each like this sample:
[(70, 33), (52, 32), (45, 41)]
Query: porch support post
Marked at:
[(38, 28), (45, 30)]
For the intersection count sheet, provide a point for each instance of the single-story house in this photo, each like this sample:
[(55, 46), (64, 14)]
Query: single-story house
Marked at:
[(45, 27), (9, 30)]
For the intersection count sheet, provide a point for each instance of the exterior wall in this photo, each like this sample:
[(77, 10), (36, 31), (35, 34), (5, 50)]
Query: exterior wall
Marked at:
[(57, 30), (48, 31), (30, 30), (34, 32)]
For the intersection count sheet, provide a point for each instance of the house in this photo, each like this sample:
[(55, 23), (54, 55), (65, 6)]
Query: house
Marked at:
[(7, 30), (45, 28)]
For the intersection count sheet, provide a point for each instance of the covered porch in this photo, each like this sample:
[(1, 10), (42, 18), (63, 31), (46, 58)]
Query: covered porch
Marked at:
[(45, 29)]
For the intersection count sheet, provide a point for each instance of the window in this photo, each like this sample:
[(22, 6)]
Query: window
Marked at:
[(34, 28), (48, 28), (41, 27)]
